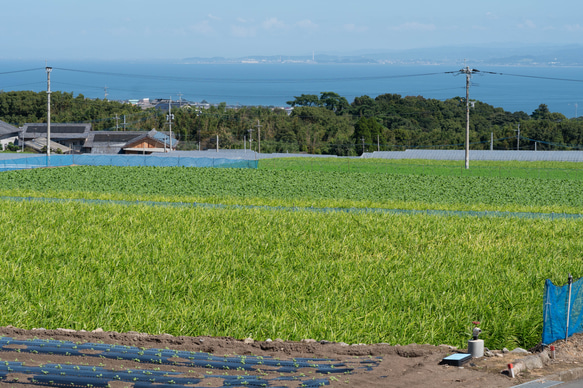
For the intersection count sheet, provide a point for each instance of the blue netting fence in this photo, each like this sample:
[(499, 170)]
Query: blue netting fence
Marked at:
[(562, 310), (122, 160)]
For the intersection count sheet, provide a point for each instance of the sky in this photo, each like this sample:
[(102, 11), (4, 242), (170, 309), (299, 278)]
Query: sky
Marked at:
[(147, 29)]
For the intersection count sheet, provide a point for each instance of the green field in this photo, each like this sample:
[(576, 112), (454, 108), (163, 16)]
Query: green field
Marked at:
[(504, 169), (300, 188), (351, 277)]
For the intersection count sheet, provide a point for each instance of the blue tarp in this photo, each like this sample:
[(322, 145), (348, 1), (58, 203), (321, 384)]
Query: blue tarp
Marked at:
[(555, 311), (121, 160)]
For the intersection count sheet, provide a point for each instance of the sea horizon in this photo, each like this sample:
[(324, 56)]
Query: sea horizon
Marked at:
[(512, 88)]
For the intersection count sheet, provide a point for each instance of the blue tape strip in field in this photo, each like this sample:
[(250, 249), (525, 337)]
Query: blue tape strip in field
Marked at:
[(445, 213)]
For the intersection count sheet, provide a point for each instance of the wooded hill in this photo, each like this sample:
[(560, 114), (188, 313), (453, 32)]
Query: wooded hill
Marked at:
[(325, 124)]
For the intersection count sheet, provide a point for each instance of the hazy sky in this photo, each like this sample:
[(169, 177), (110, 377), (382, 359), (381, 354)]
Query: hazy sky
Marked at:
[(147, 29)]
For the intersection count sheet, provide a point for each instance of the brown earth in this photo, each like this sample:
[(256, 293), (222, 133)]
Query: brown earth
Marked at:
[(392, 366)]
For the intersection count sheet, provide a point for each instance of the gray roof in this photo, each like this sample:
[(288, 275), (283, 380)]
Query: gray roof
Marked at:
[(59, 131), (39, 143), (7, 129), (112, 138)]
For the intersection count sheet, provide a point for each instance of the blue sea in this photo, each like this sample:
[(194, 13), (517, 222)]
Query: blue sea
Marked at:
[(513, 88)]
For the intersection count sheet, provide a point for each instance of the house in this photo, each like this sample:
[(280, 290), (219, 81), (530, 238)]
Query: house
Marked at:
[(72, 136), (8, 134), (79, 138), (128, 142)]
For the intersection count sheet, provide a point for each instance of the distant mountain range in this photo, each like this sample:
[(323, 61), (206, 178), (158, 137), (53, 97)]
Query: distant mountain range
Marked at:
[(571, 55)]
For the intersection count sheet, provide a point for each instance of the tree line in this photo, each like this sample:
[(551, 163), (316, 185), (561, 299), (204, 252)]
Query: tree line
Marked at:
[(318, 124)]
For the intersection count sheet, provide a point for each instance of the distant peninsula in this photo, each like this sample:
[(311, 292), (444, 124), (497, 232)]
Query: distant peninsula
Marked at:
[(571, 55)]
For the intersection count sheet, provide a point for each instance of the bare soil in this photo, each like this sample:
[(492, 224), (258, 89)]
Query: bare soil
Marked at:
[(378, 365)]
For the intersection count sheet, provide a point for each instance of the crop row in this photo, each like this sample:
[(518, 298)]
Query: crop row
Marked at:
[(307, 187), (240, 272)]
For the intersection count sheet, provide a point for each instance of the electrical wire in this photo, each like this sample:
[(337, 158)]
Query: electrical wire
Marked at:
[(21, 71), (27, 84), (238, 80), (535, 77)]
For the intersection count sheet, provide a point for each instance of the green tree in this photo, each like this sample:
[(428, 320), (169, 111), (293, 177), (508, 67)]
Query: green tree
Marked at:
[(363, 106), (369, 131), (305, 100), (334, 102)]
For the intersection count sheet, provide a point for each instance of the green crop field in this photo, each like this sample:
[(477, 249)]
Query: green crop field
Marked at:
[(301, 188), (341, 277), (539, 170), (352, 277)]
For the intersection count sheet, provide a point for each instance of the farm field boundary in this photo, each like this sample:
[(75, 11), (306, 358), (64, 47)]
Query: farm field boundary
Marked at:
[(445, 213)]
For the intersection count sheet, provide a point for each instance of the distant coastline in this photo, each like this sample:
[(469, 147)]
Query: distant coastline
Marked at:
[(501, 56), (536, 56), (206, 61)]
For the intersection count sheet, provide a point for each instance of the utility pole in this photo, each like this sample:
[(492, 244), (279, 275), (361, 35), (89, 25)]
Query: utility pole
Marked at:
[(116, 122), (49, 69), (105, 90), (518, 138), (180, 99), (250, 139), (258, 137), (468, 72), (170, 117), (124, 122), (576, 106), (491, 141), (378, 142)]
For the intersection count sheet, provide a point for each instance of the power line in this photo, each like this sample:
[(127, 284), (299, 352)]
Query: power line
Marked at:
[(535, 76), (26, 84), (21, 71), (249, 80)]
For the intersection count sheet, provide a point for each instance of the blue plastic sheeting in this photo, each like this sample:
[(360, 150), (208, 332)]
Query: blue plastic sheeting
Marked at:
[(555, 311), (122, 161), (444, 213), (229, 369), (169, 357), (66, 375), (79, 375)]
